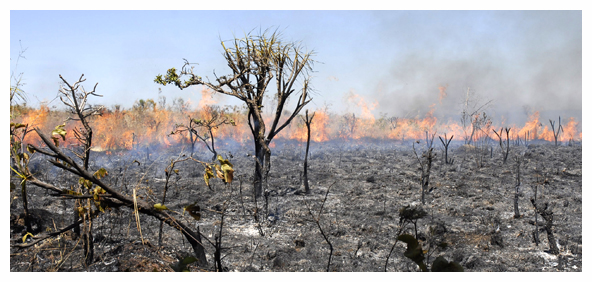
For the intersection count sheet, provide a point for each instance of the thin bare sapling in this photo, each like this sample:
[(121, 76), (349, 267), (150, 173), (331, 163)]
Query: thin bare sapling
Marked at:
[(317, 221), (446, 143), (307, 121), (203, 129), (505, 149), (559, 129), (425, 163)]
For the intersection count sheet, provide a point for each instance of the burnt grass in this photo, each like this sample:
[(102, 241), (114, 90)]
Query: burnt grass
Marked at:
[(469, 208)]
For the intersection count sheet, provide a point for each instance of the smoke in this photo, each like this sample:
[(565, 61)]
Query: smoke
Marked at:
[(515, 58)]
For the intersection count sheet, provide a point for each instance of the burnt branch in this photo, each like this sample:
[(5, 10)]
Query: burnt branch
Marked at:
[(71, 166), (425, 163), (40, 238), (318, 223)]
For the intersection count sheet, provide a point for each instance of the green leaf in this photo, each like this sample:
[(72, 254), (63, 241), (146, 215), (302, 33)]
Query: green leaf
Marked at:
[(81, 211), (208, 174), (224, 161), (59, 130), (18, 125), (98, 190), (181, 265), (442, 265), (193, 210), (228, 173), (226, 169), (189, 260), (70, 192), (25, 237), (102, 172), (160, 207), (414, 251)]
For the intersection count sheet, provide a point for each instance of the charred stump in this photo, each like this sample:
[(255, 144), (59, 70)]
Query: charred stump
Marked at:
[(546, 211)]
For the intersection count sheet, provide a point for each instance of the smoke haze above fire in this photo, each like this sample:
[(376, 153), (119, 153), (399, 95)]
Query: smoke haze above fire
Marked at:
[(397, 62)]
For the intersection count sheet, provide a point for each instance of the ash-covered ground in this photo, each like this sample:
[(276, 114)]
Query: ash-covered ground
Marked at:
[(469, 206)]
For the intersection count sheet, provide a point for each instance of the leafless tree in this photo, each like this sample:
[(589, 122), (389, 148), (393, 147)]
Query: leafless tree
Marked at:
[(425, 163), (559, 129), (471, 118), (203, 129), (500, 136), (350, 122), (445, 143), (317, 221), (254, 61), (519, 159), (307, 121), (16, 81)]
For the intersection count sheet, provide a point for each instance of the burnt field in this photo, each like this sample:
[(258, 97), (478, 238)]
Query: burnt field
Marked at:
[(360, 189)]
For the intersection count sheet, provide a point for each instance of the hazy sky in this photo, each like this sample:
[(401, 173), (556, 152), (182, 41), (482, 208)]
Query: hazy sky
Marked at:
[(395, 59)]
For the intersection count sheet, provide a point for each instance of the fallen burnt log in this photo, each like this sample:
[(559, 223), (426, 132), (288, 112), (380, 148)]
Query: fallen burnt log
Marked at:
[(116, 199)]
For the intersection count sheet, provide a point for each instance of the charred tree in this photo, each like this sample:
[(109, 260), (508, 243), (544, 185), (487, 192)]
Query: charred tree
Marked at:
[(429, 140), (168, 172), (254, 61), (19, 158), (75, 98), (445, 143), (471, 115), (506, 150), (350, 124), (559, 129), (317, 221), (536, 219), (519, 160), (109, 197), (546, 211), (92, 188), (203, 129), (425, 163), (307, 121)]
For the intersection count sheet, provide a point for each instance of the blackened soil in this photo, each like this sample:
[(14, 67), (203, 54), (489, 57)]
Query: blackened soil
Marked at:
[(470, 211)]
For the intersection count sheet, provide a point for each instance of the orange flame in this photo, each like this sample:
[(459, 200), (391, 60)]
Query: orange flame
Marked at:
[(151, 126)]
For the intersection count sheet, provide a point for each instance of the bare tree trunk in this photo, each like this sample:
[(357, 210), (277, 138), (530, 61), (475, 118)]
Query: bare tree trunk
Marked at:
[(516, 211), (536, 220), (26, 206), (425, 179), (307, 121), (258, 177), (305, 174)]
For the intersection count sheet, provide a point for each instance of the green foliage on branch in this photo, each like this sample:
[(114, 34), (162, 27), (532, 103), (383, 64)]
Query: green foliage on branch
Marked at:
[(415, 253)]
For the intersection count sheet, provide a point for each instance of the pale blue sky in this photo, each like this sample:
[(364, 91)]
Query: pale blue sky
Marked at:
[(395, 58)]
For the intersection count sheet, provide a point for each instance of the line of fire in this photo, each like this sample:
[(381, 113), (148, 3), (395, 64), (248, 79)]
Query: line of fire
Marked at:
[(150, 123)]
